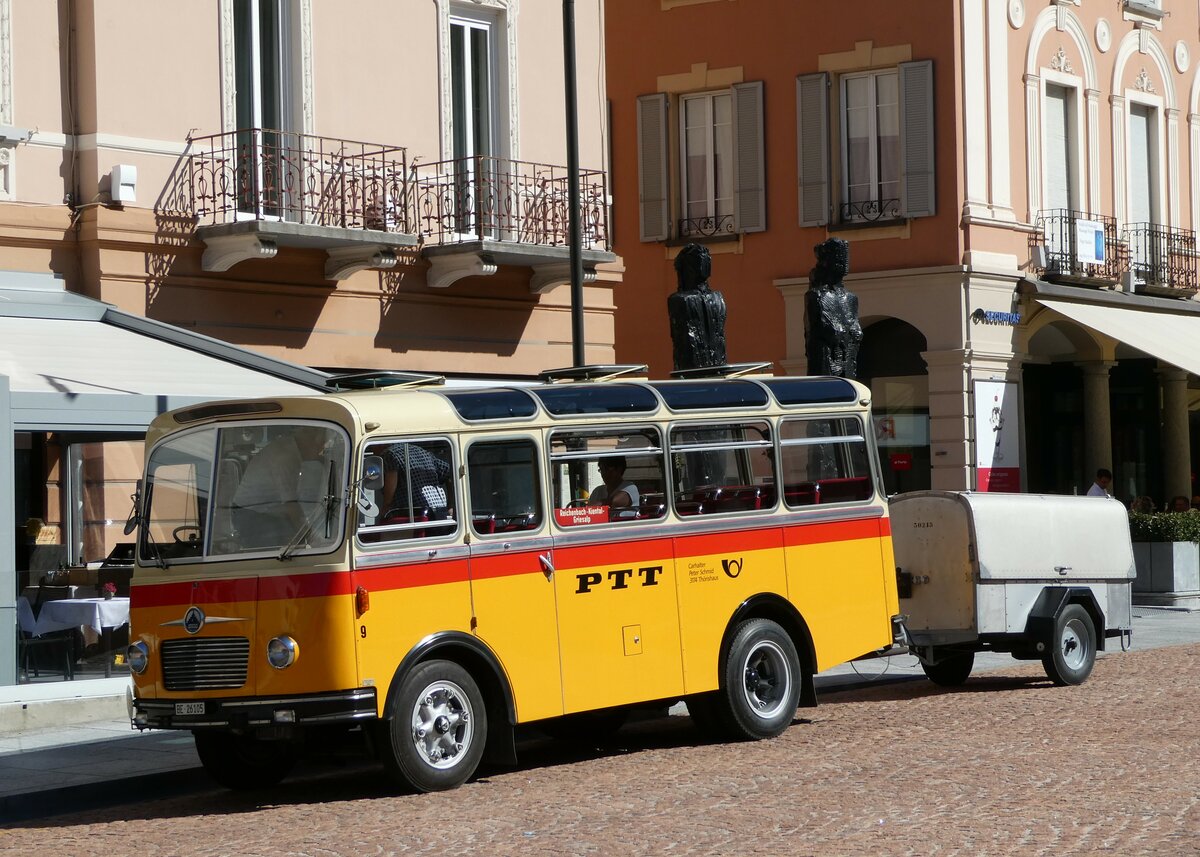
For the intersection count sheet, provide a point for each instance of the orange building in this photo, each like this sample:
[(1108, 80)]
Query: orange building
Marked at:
[(1016, 182)]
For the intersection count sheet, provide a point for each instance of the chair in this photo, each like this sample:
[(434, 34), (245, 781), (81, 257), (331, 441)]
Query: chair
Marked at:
[(29, 642)]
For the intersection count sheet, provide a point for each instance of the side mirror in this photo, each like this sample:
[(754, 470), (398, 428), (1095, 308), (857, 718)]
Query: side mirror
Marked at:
[(131, 522), (372, 479)]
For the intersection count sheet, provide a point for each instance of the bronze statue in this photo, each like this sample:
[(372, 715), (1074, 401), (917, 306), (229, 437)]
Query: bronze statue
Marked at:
[(697, 313), (832, 332)]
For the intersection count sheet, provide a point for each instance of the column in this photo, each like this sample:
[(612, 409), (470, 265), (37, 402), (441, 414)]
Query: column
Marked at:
[(952, 465), (1097, 416), (1177, 460), (8, 547)]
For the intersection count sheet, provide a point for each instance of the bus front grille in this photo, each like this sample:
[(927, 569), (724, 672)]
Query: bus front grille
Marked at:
[(207, 663)]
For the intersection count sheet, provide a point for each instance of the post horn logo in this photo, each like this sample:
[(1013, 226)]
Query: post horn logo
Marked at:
[(732, 567)]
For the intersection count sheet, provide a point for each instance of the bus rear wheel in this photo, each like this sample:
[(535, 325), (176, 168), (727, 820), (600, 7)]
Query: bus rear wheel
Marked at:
[(243, 763), (437, 729), (950, 670), (760, 682)]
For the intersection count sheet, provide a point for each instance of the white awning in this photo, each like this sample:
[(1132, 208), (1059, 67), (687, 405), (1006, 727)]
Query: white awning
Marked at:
[(1171, 337)]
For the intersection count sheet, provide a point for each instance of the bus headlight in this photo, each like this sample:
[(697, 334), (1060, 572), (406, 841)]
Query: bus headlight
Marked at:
[(137, 656), (282, 652)]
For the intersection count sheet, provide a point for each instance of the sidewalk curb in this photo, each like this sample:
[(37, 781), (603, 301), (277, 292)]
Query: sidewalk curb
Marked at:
[(48, 803)]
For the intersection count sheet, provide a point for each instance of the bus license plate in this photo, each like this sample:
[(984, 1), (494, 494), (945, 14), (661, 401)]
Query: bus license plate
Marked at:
[(183, 708)]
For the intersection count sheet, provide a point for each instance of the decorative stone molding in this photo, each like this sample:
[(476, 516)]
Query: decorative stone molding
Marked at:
[(445, 271), (344, 261), (1103, 36), (1061, 62), (1143, 82), (1016, 14), (223, 252), (547, 277)]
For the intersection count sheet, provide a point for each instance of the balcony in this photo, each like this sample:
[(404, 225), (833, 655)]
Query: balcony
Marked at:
[(255, 190), (1162, 259), (871, 211), (1076, 247), (475, 214), (718, 226)]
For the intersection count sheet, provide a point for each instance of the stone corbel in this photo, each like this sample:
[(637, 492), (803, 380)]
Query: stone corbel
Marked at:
[(344, 261), (546, 277), (445, 271), (223, 252)]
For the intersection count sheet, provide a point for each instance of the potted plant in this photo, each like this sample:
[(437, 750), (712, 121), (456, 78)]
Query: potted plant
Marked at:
[(108, 590), (1166, 550)]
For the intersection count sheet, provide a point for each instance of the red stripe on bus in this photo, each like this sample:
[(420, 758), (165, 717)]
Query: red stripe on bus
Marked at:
[(291, 586), (587, 556), (410, 576), (837, 531)]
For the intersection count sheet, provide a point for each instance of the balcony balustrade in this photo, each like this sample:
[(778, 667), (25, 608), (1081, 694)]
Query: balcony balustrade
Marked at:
[(1162, 259), (707, 227), (871, 211), (1079, 247)]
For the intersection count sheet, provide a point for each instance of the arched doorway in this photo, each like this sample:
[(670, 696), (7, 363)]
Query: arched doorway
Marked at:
[(890, 363)]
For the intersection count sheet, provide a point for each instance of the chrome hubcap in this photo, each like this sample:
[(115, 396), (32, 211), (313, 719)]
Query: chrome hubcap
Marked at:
[(768, 679), (442, 724)]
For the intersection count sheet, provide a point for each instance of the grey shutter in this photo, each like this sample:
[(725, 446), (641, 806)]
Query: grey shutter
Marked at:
[(812, 147), (916, 138), (749, 174), (654, 209)]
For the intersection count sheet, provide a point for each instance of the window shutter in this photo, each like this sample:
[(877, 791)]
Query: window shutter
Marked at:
[(916, 138), (812, 147), (749, 175), (654, 209)]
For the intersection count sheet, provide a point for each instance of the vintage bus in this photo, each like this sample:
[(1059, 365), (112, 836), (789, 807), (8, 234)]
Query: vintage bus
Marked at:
[(431, 566)]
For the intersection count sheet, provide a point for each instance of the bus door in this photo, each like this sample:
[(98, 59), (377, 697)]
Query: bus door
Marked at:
[(512, 570), (618, 619)]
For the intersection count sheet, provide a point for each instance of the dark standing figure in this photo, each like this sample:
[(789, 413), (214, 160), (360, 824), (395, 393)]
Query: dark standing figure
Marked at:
[(697, 313), (832, 332)]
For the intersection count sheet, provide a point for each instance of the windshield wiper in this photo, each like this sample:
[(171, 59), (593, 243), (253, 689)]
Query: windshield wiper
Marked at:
[(328, 503)]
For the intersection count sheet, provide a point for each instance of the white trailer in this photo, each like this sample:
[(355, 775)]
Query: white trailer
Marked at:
[(1042, 577)]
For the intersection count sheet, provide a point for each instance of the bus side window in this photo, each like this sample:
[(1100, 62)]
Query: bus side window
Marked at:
[(418, 498), (824, 460), (723, 468), (604, 476), (503, 479)]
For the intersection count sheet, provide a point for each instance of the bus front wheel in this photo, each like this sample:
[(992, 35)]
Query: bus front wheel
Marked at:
[(243, 763), (437, 729), (760, 681)]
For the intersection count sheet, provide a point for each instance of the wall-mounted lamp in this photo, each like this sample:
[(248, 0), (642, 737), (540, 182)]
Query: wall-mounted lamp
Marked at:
[(124, 184)]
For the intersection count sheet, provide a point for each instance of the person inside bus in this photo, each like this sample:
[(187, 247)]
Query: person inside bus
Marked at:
[(266, 505), (616, 491), (414, 480)]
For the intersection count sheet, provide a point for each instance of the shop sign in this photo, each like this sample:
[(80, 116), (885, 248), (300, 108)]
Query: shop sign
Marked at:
[(901, 461)]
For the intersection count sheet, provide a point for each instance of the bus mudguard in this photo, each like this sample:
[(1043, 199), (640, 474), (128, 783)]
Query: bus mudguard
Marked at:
[(768, 605)]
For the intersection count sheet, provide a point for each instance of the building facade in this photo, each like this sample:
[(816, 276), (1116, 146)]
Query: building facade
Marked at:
[(1018, 184), (378, 185)]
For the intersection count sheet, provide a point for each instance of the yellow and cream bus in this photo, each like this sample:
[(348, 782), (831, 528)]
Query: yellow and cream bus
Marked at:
[(432, 566)]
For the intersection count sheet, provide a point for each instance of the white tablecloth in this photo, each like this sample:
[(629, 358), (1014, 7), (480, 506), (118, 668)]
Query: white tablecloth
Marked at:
[(94, 613)]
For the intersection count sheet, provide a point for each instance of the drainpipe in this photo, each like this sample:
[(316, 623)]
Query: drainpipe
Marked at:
[(576, 234)]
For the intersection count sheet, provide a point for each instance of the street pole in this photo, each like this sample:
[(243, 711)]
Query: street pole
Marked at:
[(576, 233)]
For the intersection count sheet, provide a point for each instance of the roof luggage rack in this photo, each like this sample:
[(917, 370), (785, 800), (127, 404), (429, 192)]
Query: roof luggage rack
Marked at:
[(595, 372), (725, 370), (382, 378)]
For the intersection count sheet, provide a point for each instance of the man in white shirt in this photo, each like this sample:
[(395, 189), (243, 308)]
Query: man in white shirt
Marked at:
[(1100, 486), (616, 492)]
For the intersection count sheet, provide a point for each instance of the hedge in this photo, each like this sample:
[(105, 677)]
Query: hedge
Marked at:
[(1165, 527)]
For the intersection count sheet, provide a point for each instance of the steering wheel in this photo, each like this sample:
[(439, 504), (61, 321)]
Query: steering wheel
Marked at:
[(194, 537)]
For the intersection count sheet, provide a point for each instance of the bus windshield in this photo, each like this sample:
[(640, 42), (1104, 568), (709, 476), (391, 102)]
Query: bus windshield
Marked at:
[(245, 489)]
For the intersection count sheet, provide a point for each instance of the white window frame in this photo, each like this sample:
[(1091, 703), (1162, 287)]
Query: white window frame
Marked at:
[(500, 16), (1079, 190), (710, 159), (1156, 154), (873, 135)]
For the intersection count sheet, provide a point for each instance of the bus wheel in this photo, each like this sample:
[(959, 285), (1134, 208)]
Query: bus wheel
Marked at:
[(760, 681), (438, 728), (243, 763), (1071, 653), (950, 670)]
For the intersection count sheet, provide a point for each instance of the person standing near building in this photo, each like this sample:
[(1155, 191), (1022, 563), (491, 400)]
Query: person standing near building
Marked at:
[(1100, 486)]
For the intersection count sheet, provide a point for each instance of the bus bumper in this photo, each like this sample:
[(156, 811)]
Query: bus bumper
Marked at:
[(240, 714)]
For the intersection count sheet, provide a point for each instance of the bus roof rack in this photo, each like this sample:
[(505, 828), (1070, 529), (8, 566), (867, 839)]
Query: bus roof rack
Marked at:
[(595, 372), (725, 370), (382, 378)]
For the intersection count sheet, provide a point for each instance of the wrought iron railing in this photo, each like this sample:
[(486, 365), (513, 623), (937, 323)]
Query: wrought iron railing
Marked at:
[(707, 227), (260, 173), (469, 199), (1162, 256), (870, 210), (1077, 246)]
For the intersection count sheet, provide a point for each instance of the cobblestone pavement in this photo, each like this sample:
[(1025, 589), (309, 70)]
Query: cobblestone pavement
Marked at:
[(1007, 764)]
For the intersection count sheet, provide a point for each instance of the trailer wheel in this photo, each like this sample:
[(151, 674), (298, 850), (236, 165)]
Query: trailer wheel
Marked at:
[(760, 682), (438, 728), (1071, 653), (950, 670)]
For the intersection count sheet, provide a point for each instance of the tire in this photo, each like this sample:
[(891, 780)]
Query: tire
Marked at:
[(437, 730), (760, 682), (243, 763), (586, 727), (950, 670), (1071, 653)]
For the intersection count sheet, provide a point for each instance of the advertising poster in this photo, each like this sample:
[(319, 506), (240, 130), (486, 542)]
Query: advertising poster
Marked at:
[(997, 451), (1089, 241)]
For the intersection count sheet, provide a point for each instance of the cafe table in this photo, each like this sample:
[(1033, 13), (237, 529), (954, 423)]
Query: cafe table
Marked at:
[(99, 614)]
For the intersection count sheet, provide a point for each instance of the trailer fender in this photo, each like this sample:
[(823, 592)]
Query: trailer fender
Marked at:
[(1040, 624)]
